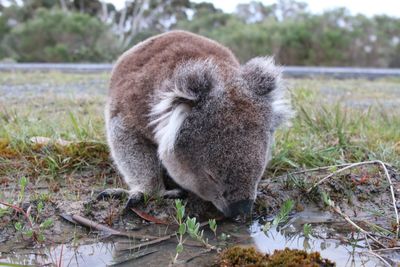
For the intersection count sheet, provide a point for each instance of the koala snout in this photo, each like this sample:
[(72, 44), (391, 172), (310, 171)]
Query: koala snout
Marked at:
[(241, 207)]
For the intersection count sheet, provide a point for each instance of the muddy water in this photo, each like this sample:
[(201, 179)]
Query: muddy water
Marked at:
[(328, 237)]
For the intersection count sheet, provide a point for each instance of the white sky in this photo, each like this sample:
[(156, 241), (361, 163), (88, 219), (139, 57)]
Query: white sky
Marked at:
[(369, 8)]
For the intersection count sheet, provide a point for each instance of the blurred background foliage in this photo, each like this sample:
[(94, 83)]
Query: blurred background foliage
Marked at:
[(95, 31)]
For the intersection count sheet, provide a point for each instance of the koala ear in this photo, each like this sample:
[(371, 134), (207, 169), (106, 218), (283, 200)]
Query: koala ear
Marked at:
[(261, 75), (264, 78), (190, 81), (195, 78)]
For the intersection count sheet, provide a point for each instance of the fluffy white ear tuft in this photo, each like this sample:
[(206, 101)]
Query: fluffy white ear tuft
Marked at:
[(168, 115), (264, 78), (172, 104)]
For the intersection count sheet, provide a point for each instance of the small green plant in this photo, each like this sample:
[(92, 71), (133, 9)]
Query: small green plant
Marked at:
[(80, 131), (28, 229), (28, 226), (224, 237), (31, 229), (23, 182), (283, 214), (53, 167), (40, 208), (307, 230), (266, 227), (3, 209), (297, 181), (191, 227), (180, 213), (326, 199), (212, 223), (146, 199)]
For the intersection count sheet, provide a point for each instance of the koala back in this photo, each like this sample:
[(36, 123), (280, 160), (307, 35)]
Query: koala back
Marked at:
[(139, 74)]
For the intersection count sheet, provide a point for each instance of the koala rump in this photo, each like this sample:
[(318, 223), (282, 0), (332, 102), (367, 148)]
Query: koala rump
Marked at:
[(183, 103)]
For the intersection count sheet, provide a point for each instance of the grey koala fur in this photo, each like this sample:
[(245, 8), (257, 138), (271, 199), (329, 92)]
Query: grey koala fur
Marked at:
[(183, 102)]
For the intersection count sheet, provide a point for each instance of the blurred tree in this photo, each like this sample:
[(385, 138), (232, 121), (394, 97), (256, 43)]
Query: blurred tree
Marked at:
[(255, 12), (53, 36), (153, 16), (291, 9), (205, 20), (286, 29)]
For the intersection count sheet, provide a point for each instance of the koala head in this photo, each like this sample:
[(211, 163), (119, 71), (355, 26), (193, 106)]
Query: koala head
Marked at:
[(215, 129)]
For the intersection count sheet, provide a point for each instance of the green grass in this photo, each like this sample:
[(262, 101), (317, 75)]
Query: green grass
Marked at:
[(337, 121), (333, 128)]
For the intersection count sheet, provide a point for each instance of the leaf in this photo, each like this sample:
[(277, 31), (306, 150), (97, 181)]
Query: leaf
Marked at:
[(307, 230), (18, 226), (148, 217), (46, 224), (28, 233), (179, 248), (283, 214), (23, 182), (182, 229), (266, 227), (212, 224)]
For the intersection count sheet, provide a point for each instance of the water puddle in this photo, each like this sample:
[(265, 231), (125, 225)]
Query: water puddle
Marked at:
[(346, 249), (334, 240), (334, 250)]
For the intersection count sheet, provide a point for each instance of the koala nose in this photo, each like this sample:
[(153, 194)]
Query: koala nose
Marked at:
[(240, 207)]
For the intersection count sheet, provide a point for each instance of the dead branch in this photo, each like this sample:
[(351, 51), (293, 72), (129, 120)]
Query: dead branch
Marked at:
[(77, 219), (127, 245), (347, 218)]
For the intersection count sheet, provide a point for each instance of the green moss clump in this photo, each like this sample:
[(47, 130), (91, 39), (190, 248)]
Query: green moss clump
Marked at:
[(240, 256), (295, 257)]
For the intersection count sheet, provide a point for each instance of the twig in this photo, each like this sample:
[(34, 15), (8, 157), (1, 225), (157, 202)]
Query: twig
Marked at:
[(339, 171), (20, 210), (61, 255), (77, 219), (379, 257), (137, 255), (198, 255), (347, 218), (321, 168), (386, 249), (307, 170), (365, 163), (91, 224), (393, 197), (375, 254), (122, 246)]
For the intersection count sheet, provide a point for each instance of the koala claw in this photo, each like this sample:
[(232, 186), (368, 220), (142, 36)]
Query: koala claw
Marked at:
[(175, 193), (118, 193), (133, 200)]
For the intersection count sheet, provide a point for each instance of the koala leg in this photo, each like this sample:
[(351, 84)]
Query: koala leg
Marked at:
[(137, 161)]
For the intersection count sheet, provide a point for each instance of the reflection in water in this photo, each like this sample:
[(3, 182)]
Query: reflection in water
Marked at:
[(97, 254), (325, 239), (342, 254)]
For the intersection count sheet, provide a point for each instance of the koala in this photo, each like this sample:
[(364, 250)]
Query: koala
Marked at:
[(183, 103)]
